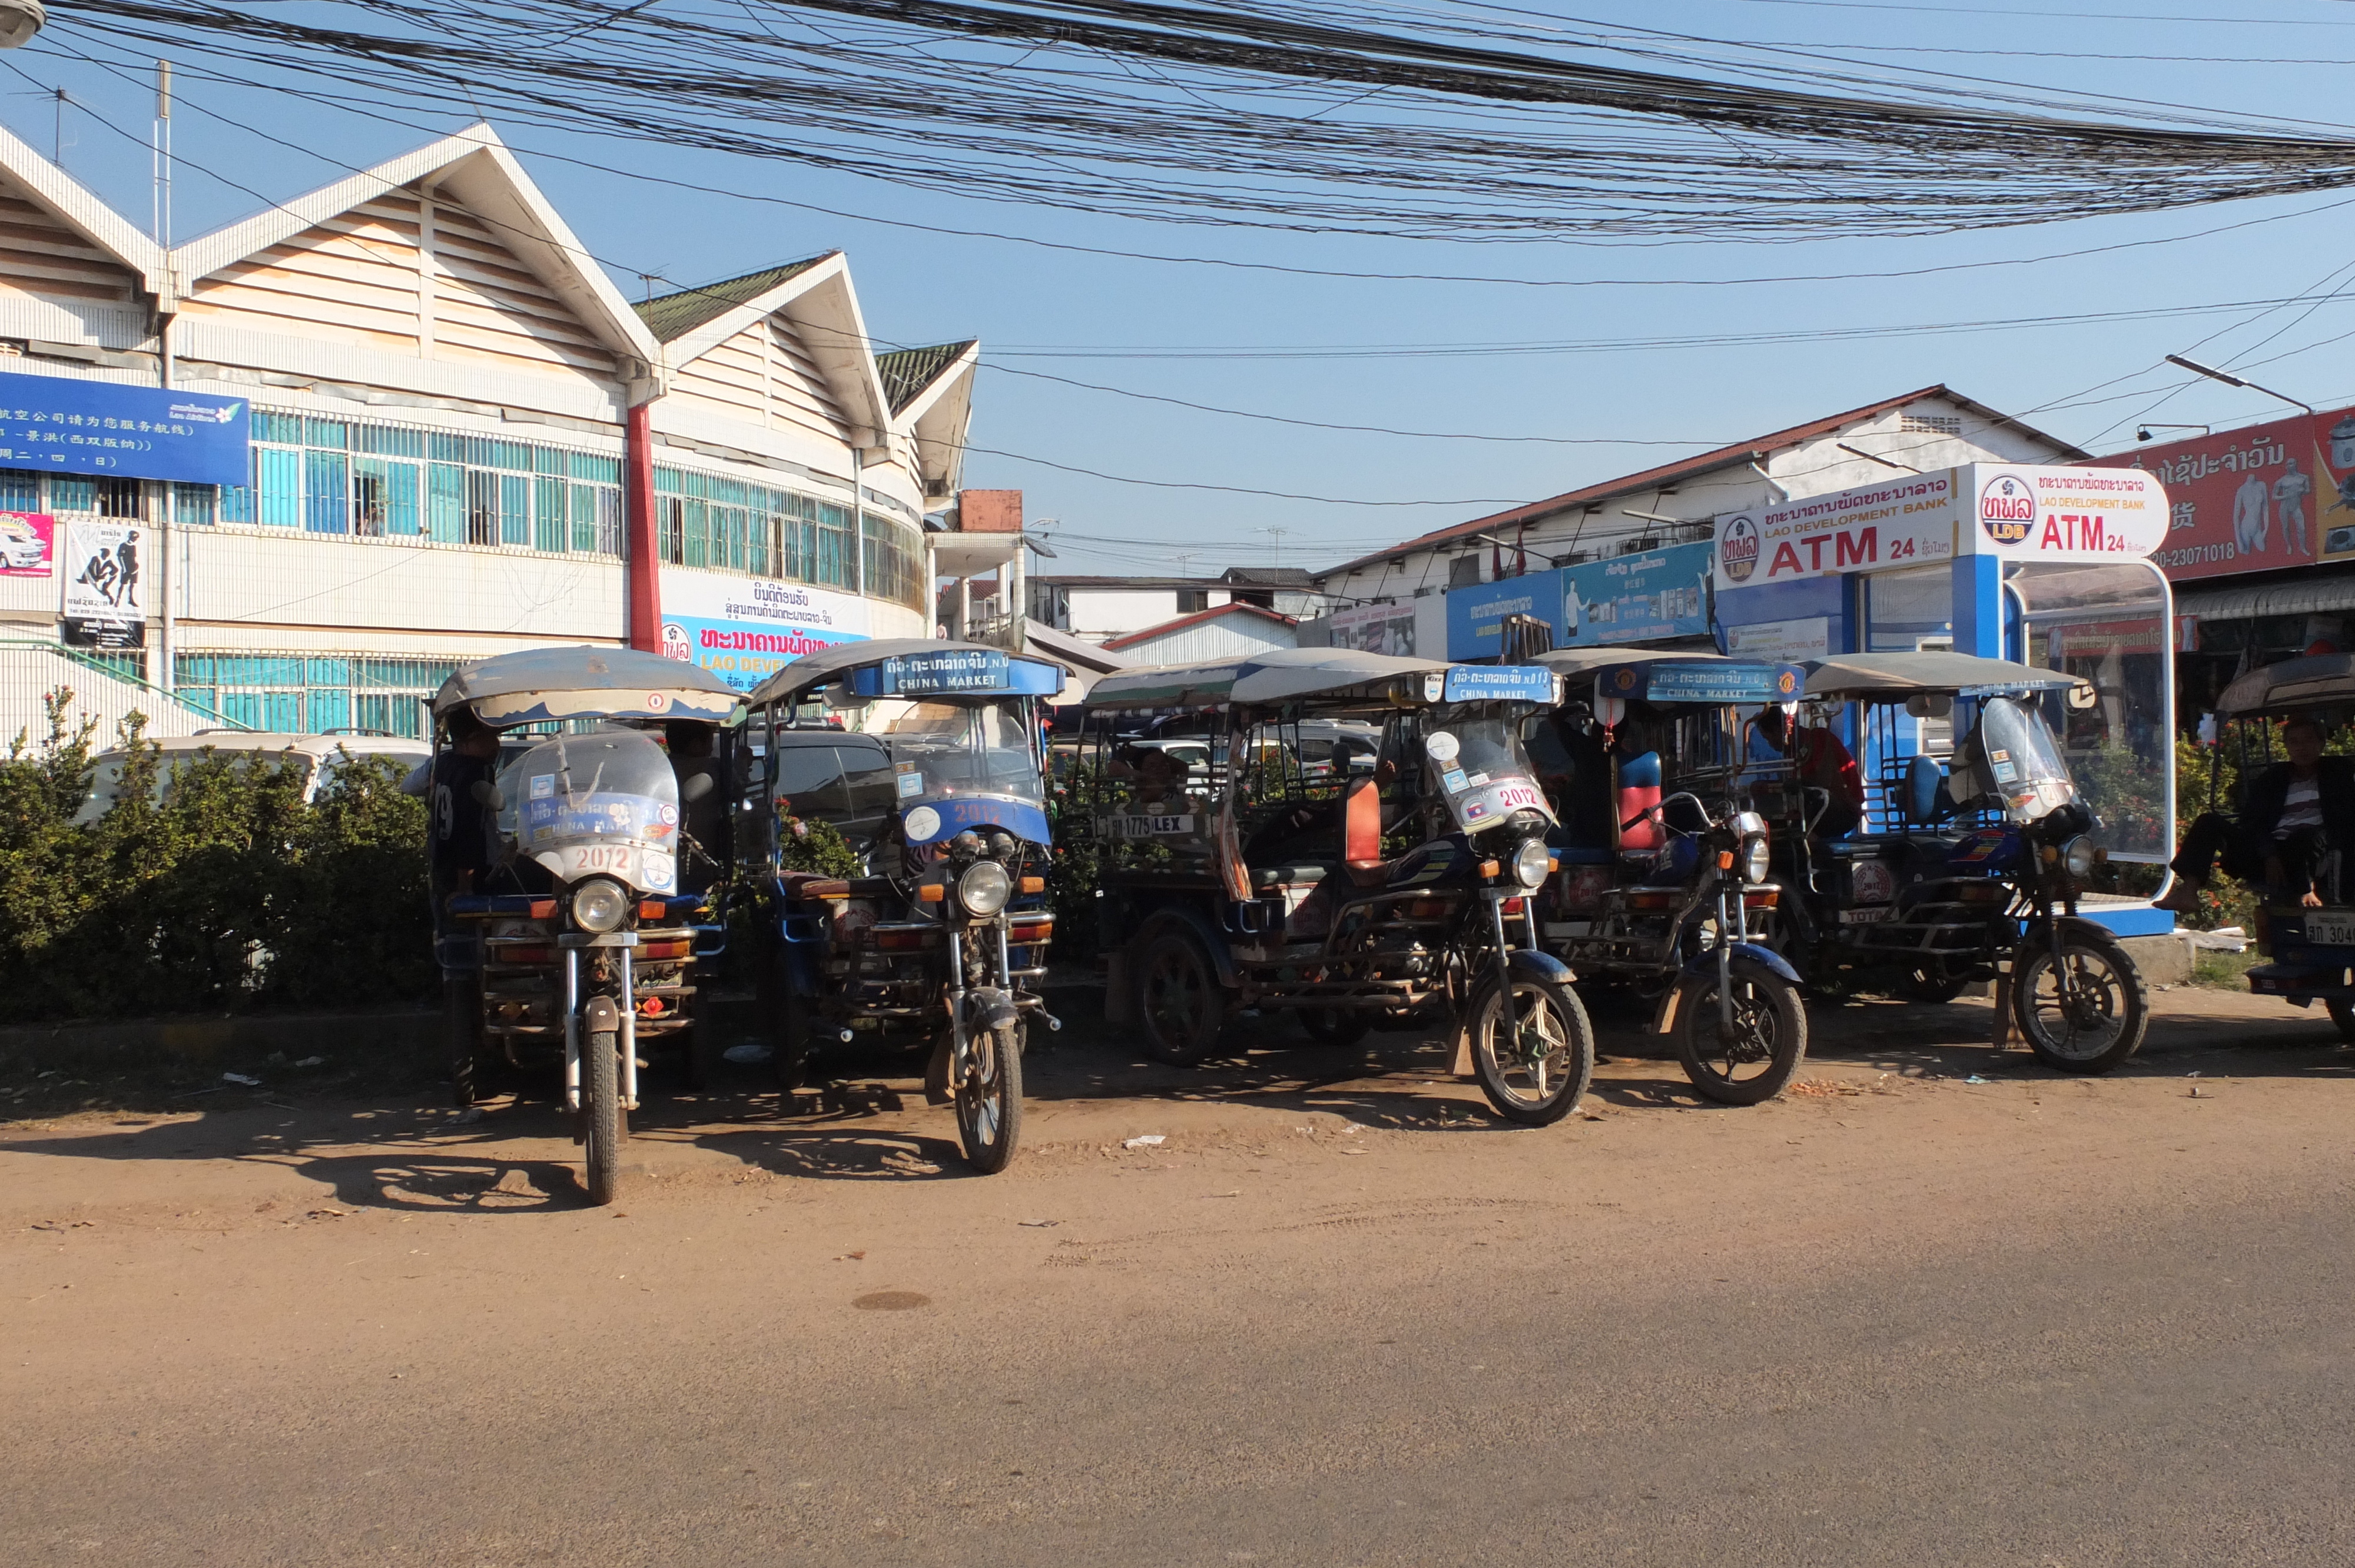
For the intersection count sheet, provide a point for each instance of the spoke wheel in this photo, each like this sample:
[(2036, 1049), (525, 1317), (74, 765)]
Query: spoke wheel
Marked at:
[(1758, 1057), (1536, 1073), (2083, 1013), (989, 1099), (601, 1115), (1179, 999)]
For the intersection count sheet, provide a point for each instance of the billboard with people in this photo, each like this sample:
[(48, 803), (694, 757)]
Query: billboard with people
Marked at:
[(2263, 499)]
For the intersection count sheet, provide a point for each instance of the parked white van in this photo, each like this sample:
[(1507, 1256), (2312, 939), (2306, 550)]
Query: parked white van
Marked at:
[(318, 755)]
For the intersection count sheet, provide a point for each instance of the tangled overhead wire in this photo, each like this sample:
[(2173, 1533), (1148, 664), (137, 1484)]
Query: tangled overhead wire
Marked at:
[(1463, 124)]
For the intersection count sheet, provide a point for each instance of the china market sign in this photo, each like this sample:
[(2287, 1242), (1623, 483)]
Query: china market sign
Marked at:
[(103, 428), (1623, 598), (2017, 512), (2264, 499), (744, 630)]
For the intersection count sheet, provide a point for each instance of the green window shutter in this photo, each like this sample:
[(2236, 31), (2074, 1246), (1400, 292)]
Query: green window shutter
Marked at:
[(446, 503)]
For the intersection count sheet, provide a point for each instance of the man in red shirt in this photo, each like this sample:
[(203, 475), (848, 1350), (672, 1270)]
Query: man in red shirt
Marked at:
[(1822, 763)]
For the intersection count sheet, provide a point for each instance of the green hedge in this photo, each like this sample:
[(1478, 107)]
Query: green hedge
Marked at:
[(233, 895)]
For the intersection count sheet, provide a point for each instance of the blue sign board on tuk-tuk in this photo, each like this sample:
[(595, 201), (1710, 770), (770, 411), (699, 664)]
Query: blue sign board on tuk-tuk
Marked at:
[(1713, 681)]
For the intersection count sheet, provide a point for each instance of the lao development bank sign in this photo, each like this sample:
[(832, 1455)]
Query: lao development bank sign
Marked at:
[(2016, 512)]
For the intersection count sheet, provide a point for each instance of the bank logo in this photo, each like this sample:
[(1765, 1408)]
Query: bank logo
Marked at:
[(2007, 508), (1737, 547), (675, 643)]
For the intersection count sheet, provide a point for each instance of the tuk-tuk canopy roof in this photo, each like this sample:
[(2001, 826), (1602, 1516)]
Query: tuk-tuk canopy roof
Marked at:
[(1278, 675), (1666, 676), (542, 684), (911, 666), (1891, 677), (2324, 679)]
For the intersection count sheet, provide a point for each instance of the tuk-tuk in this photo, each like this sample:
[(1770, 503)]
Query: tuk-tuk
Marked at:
[(941, 933), (1664, 873), (574, 937), (2309, 951), (1970, 869), (1397, 891)]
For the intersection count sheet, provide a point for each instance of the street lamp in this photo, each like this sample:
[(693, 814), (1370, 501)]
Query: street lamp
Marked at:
[(19, 20), (2142, 432), (2229, 379)]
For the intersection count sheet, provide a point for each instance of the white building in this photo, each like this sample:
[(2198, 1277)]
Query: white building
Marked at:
[(464, 441), (1376, 596), (1107, 608)]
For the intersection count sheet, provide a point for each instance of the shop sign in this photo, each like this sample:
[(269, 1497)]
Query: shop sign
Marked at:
[(2064, 515), (104, 598), (744, 630), (2265, 499), (1623, 599), (63, 425), (1376, 628), (1908, 522)]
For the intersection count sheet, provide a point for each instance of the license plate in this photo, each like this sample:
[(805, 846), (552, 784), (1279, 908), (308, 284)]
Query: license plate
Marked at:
[(2330, 928), (1866, 917)]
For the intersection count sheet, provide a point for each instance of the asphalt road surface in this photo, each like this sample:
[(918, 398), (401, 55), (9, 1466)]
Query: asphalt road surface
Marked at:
[(1339, 1316)]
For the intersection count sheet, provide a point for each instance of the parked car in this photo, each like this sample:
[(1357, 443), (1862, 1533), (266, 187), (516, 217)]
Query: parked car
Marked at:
[(318, 755)]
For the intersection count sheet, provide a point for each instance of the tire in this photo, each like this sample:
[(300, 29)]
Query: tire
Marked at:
[(1336, 1027), (601, 1116), (1539, 1093), (2342, 1013), (462, 1013), (1179, 1003), (2112, 1014), (1769, 1035), (990, 1104), (1923, 987)]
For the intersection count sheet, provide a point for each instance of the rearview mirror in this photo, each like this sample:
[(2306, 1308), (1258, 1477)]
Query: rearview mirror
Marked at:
[(486, 794), (1930, 705), (695, 788)]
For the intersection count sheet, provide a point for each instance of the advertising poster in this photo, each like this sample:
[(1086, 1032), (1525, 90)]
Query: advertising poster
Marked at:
[(2258, 500), (106, 600), (1623, 599), (1376, 628), (28, 544), (65, 425), (744, 630)]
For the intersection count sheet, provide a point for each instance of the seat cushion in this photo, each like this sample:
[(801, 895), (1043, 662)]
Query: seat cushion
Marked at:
[(1301, 873)]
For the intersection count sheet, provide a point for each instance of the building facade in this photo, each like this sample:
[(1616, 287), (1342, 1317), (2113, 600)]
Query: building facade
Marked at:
[(462, 440)]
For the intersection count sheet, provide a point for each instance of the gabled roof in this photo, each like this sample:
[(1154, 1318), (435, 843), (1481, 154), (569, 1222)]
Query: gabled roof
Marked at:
[(673, 315), (475, 168), (907, 372), (1754, 450), (1153, 633), (816, 296), (61, 195), (1268, 577)]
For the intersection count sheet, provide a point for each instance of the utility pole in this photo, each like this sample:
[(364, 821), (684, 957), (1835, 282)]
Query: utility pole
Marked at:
[(1276, 535), (164, 674)]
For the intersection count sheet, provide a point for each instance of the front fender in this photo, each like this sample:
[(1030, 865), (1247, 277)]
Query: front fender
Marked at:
[(1194, 920), (1664, 1018), (987, 1007), (1528, 964)]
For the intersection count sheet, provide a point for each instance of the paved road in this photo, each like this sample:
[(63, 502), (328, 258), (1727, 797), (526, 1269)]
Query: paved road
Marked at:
[(1900, 1318)]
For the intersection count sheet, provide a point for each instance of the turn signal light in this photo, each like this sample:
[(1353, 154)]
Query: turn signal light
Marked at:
[(1761, 898), (1725, 859), (543, 909), (1988, 892), (1512, 905), (1034, 885), (1652, 898), (1489, 870), (932, 893), (653, 909)]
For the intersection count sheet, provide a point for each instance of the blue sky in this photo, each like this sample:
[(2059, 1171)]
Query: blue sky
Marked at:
[(1020, 300)]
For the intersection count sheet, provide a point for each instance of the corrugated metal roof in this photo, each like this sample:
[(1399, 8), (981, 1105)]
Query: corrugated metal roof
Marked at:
[(1197, 618), (672, 316), (1740, 453), (906, 372), (2318, 595)]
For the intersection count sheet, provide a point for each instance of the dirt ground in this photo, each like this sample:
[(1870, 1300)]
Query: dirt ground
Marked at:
[(306, 1328)]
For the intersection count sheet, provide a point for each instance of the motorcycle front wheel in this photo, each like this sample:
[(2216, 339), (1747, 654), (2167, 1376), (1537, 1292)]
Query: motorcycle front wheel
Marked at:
[(1761, 1054), (2083, 1013), (601, 1116), (1536, 1073), (989, 1100)]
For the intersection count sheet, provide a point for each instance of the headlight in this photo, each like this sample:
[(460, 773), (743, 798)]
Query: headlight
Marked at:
[(1532, 863), (1753, 859), (2077, 854), (985, 889), (600, 906)]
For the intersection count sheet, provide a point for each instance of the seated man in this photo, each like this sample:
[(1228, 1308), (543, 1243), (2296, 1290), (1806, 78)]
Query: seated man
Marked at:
[(2290, 814), (1822, 762)]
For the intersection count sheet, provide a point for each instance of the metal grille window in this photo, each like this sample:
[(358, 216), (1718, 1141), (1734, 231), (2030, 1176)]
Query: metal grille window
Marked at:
[(348, 476), (729, 524), (313, 694)]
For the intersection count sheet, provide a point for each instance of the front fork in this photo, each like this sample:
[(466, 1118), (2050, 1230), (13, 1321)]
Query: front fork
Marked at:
[(572, 999), (960, 1041), (1496, 898), (1730, 930)]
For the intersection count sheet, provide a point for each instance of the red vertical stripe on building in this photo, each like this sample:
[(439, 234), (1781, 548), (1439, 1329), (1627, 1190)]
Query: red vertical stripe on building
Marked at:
[(644, 557)]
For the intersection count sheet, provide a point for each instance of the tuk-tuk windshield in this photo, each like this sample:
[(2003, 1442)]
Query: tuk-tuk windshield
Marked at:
[(2021, 760), (1479, 767), (603, 803), (946, 747)]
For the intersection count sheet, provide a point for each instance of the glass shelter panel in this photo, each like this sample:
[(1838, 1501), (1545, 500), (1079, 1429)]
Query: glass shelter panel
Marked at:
[(2109, 623)]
